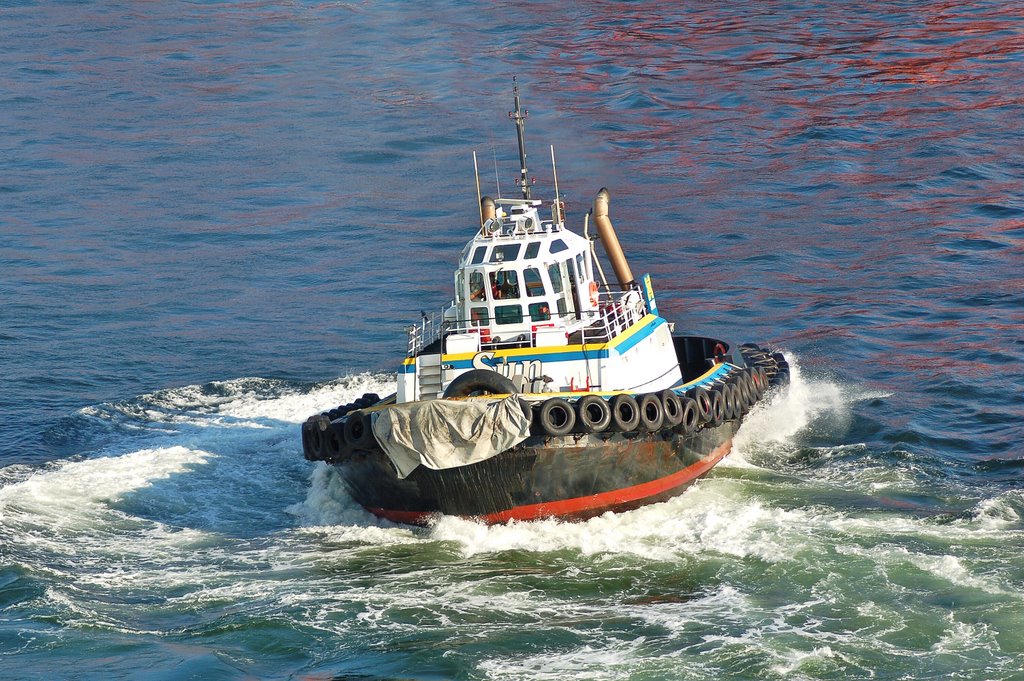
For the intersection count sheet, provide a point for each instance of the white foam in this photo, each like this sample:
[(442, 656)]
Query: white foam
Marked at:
[(961, 637), (822, 659), (1000, 513), (615, 660), (330, 512), (713, 516), (69, 493), (242, 402), (296, 407), (769, 428)]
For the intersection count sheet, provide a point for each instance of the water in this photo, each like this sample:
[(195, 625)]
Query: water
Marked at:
[(216, 218)]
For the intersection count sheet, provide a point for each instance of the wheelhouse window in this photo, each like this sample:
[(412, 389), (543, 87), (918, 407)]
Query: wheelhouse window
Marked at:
[(505, 253), (539, 312), (504, 284), (534, 284), (508, 314), (556, 278), (580, 268), (478, 316), (532, 250), (478, 255), (557, 246), (476, 285)]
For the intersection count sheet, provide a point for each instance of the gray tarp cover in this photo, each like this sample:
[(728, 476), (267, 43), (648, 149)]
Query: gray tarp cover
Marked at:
[(447, 434)]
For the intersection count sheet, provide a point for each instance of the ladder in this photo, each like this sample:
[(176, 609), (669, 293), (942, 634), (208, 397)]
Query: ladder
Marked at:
[(428, 373)]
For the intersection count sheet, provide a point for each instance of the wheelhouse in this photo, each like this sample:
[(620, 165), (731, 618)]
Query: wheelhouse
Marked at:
[(519, 275)]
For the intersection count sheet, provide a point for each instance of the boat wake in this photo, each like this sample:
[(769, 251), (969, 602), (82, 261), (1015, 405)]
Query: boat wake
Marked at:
[(201, 516)]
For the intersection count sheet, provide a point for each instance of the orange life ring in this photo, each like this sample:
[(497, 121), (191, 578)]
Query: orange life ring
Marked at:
[(593, 293)]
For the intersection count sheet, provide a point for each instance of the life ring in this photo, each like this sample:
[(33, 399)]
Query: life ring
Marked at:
[(592, 414), (719, 350), (556, 417), (479, 382), (594, 294)]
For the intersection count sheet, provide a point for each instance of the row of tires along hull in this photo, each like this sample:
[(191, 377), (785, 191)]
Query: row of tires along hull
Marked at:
[(336, 434)]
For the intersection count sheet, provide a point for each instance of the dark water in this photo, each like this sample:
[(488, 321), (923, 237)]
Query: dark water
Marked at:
[(215, 219)]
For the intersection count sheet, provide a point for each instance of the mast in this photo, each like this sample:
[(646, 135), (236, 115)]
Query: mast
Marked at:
[(519, 117)]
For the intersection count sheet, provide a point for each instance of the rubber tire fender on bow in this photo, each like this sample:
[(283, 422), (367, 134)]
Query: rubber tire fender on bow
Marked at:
[(652, 412), (556, 417), (625, 413), (691, 417), (672, 406), (592, 414), (703, 400)]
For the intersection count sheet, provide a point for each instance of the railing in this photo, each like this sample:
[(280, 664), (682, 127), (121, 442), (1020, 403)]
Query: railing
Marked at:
[(430, 329), (616, 311)]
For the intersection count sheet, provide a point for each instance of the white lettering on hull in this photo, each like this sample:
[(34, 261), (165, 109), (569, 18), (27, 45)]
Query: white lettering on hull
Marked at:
[(531, 370)]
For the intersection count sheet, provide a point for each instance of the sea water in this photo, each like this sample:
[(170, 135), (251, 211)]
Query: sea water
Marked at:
[(217, 218)]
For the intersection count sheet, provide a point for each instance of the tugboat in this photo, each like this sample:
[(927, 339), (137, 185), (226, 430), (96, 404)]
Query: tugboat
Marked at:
[(542, 390)]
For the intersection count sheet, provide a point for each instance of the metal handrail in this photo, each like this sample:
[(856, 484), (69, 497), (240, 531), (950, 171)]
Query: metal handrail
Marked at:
[(616, 311)]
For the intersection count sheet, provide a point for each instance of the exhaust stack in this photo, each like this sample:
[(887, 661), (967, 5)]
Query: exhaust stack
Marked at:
[(486, 209), (610, 241)]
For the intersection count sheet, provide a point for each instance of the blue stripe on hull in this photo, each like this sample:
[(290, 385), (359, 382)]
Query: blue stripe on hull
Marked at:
[(566, 356)]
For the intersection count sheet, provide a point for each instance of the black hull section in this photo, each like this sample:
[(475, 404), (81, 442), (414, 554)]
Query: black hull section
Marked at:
[(572, 477)]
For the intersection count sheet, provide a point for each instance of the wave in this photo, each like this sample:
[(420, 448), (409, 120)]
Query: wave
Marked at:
[(217, 521)]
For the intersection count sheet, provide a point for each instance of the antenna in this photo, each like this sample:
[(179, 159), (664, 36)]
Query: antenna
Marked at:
[(479, 201), (519, 117), (554, 173), (497, 182)]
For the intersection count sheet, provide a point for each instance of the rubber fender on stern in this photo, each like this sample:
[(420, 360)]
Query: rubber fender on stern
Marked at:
[(311, 447), (749, 389), (359, 431), (334, 444)]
